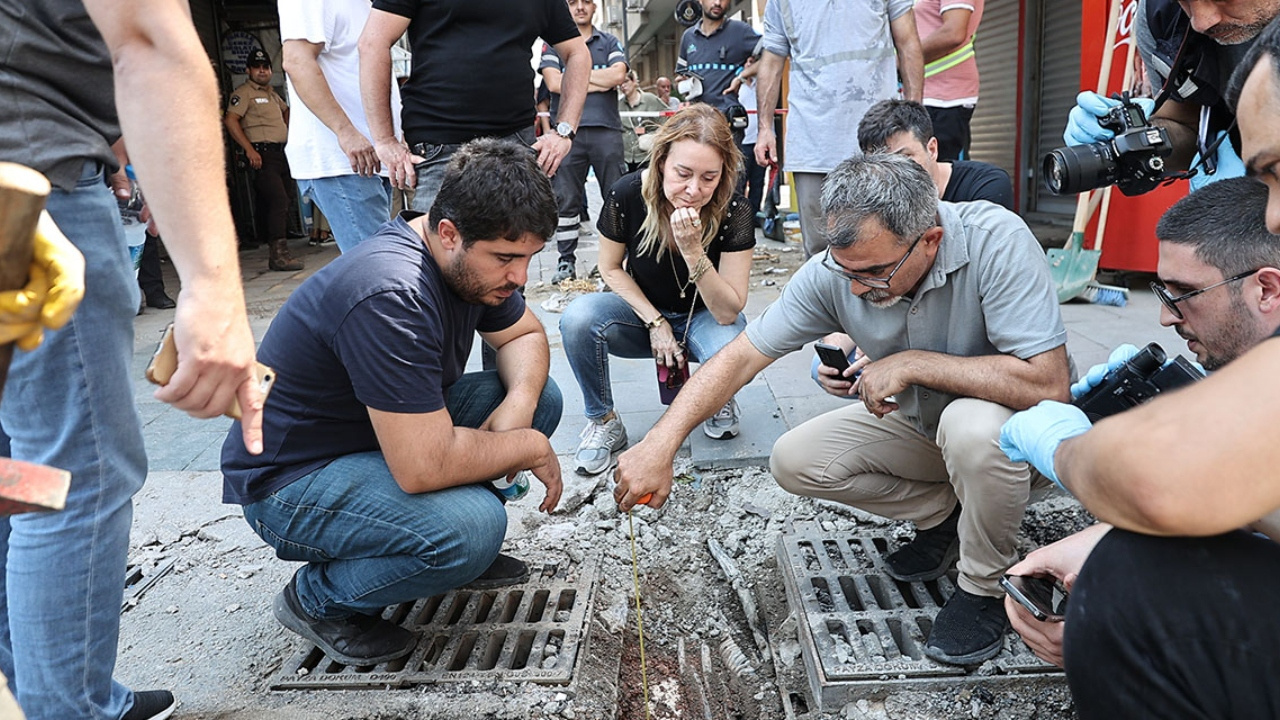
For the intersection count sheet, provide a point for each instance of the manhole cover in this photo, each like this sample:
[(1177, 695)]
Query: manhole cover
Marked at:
[(862, 632), (528, 632)]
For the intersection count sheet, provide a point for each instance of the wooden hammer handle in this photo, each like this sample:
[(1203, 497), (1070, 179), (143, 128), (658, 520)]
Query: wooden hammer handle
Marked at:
[(22, 195)]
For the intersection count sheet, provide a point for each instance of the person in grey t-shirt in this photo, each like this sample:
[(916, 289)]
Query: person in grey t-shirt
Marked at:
[(957, 316)]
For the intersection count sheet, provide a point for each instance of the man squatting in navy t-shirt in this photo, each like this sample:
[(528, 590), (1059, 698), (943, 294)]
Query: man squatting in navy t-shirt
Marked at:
[(378, 448)]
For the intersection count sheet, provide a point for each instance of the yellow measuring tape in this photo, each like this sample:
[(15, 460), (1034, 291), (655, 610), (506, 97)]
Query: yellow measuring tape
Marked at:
[(635, 577)]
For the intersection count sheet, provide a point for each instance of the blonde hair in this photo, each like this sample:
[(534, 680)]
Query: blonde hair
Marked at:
[(705, 125)]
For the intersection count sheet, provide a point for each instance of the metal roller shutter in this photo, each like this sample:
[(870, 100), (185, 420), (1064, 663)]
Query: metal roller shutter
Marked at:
[(1059, 63), (994, 131)]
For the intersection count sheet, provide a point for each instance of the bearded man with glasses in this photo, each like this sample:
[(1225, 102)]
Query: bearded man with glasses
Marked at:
[(955, 309)]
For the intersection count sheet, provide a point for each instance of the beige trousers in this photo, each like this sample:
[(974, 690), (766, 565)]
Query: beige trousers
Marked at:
[(885, 466)]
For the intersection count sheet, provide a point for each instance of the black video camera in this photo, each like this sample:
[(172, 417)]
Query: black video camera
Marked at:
[(1133, 160), (1139, 379)]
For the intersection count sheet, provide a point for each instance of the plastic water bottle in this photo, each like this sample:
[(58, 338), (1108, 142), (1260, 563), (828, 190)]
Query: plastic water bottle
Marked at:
[(513, 488), (135, 231)]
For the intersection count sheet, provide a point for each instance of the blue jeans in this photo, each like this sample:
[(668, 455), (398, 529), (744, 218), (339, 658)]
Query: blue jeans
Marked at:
[(354, 206), (368, 544), (430, 172), (69, 404), (597, 325)]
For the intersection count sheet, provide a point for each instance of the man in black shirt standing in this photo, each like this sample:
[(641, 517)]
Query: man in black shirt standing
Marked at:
[(471, 78), (904, 127)]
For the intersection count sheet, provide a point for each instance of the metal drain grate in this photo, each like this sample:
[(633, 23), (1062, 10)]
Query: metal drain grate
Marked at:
[(528, 632), (862, 632)]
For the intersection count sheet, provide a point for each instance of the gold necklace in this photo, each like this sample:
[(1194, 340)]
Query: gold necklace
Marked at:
[(685, 286)]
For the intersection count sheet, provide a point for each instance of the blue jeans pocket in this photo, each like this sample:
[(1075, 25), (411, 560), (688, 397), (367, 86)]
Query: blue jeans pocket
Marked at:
[(288, 549)]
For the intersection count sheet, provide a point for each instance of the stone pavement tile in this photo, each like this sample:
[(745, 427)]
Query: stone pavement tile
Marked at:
[(799, 410), (179, 451), (761, 424)]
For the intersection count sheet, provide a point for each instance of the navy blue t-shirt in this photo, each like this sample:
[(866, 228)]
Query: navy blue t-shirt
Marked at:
[(717, 59), (376, 328)]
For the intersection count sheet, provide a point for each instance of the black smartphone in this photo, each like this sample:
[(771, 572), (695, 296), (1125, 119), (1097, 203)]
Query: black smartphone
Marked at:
[(831, 356), (1044, 597)]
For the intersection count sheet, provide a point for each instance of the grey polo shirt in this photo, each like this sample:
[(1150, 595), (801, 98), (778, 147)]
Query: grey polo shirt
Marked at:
[(601, 108), (717, 59), (989, 292)]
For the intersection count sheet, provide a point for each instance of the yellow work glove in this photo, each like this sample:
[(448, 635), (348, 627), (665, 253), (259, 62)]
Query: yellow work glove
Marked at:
[(55, 286)]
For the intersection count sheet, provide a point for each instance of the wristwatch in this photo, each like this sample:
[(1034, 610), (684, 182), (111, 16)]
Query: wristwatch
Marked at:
[(565, 130)]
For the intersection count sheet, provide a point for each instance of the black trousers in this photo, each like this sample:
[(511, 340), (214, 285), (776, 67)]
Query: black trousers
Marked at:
[(753, 175), (951, 128), (595, 148), (150, 276), (1176, 628), (270, 184)]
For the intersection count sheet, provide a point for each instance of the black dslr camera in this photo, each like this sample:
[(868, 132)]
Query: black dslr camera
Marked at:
[(1139, 379), (1133, 160)]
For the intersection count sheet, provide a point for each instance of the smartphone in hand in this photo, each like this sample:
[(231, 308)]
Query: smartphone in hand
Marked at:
[(831, 356), (1044, 597), (164, 363)]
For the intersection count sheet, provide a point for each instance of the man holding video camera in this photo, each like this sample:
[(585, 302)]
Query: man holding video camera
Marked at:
[(1190, 50), (1219, 272), (955, 304)]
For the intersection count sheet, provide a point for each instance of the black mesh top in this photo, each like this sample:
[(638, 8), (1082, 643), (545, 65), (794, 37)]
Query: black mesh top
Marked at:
[(661, 279)]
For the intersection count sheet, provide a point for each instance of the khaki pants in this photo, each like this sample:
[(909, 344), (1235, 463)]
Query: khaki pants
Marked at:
[(888, 468)]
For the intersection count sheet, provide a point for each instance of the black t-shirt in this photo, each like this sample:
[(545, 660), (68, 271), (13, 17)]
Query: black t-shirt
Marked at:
[(972, 180), (662, 278), (471, 75), (376, 328)]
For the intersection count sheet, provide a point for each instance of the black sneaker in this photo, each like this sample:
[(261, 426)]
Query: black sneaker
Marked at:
[(929, 555), (968, 630), (355, 640), (151, 705), (503, 571)]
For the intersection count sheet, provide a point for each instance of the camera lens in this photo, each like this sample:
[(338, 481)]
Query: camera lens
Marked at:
[(1076, 168)]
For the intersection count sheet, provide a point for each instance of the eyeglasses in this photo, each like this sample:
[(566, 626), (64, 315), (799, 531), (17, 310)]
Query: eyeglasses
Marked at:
[(881, 283), (1171, 302)]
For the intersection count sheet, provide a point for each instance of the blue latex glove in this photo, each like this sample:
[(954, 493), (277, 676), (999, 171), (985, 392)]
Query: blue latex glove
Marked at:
[(1082, 122), (1229, 164), (1096, 373), (1034, 435)]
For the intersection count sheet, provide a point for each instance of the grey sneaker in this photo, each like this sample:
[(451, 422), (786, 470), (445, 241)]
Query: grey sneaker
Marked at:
[(564, 271), (724, 424), (600, 441)]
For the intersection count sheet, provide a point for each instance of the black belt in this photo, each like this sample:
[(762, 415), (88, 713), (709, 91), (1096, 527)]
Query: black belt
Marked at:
[(267, 146)]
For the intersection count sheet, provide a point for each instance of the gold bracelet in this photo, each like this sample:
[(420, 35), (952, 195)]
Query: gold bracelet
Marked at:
[(656, 322), (700, 268)]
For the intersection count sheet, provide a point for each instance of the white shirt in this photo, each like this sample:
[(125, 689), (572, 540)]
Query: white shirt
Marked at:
[(313, 148)]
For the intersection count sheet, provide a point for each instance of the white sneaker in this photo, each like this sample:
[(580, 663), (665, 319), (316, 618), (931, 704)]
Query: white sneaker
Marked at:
[(724, 424), (600, 441)]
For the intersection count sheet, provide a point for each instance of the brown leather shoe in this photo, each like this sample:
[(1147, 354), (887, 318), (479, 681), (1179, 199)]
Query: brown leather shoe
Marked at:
[(280, 259)]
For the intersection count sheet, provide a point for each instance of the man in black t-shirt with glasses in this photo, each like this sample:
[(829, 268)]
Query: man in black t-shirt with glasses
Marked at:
[(471, 78)]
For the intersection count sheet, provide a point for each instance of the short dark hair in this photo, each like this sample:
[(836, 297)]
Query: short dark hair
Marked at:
[(890, 117), (1267, 44), (1225, 222), (494, 189)]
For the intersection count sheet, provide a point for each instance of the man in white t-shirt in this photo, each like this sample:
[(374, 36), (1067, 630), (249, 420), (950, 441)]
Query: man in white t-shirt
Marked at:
[(329, 150)]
